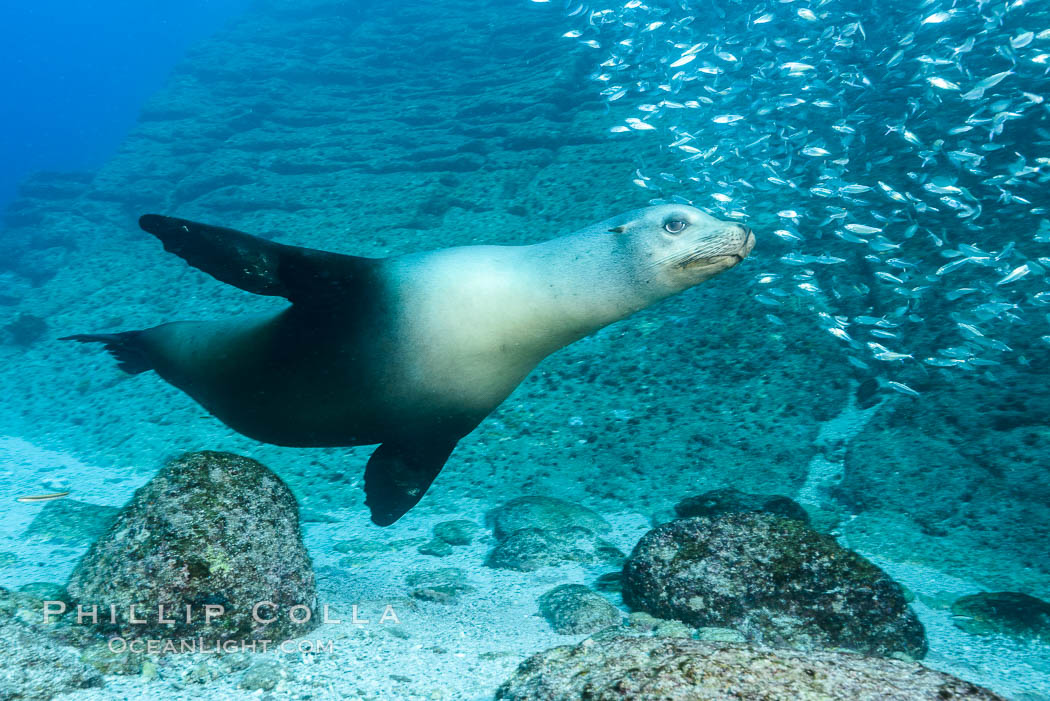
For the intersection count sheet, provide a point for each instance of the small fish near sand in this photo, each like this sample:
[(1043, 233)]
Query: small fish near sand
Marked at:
[(41, 498)]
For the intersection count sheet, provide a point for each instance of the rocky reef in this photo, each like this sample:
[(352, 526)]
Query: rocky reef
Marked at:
[(210, 533), (676, 669), (773, 579)]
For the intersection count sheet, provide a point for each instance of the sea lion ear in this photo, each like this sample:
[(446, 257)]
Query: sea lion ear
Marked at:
[(618, 229)]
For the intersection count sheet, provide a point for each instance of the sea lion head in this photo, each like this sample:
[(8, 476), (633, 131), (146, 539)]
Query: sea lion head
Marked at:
[(678, 246)]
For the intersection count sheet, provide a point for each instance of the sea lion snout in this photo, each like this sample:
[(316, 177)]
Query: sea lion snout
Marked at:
[(738, 241), (748, 243), (728, 242)]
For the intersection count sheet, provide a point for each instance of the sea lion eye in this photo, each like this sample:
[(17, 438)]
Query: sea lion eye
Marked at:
[(675, 226)]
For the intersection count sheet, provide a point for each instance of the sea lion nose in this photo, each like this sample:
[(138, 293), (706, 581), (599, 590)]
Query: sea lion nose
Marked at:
[(738, 233), (749, 239)]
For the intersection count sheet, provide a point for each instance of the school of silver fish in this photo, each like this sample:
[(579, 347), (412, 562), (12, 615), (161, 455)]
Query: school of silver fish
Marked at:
[(899, 151)]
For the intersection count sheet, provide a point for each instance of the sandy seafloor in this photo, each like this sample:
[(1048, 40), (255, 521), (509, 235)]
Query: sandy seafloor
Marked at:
[(462, 650), (368, 133)]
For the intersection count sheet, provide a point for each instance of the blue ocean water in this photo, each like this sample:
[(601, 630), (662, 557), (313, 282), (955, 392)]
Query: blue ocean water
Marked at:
[(870, 377), (76, 74)]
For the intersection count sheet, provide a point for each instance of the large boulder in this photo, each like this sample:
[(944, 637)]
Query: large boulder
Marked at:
[(680, 669), (211, 529), (775, 580)]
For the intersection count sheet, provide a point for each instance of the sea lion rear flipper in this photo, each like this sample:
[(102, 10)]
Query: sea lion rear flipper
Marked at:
[(301, 275), (126, 347), (399, 474)]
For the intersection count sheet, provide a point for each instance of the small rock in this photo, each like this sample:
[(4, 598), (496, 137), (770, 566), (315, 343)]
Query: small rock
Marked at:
[(264, 676), (731, 501), (719, 635), (441, 593), (673, 629), (71, 522), (435, 547), (1004, 613), (544, 513), (443, 585), (572, 609), (202, 673), (369, 547), (444, 575), (103, 658), (529, 549), (642, 621), (458, 532)]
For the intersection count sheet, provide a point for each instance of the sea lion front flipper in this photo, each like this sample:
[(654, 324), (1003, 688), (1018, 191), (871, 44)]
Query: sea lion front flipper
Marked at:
[(399, 474), (301, 275)]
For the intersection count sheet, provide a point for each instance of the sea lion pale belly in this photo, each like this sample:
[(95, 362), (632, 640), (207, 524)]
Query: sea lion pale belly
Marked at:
[(413, 351)]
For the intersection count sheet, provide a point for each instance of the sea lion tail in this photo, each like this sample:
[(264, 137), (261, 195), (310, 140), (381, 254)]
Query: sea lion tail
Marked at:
[(125, 347)]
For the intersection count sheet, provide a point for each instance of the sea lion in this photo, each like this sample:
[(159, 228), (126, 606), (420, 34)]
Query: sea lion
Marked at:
[(414, 351)]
